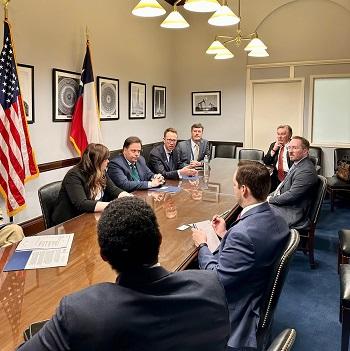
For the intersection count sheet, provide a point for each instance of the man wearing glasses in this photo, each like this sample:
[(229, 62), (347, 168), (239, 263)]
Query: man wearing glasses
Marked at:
[(294, 194), (165, 159)]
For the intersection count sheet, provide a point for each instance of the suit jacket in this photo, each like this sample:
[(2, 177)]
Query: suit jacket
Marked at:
[(244, 262), (272, 161), (158, 162), (185, 150), (119, 171), (296, 194), (74, 196), (148, 310)]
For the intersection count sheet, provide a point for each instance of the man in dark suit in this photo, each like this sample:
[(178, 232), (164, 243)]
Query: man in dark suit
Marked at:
[(293, 197), (277, 156), (247, 252), (129, 170), (192, 151), (147, 308), (165, 159)]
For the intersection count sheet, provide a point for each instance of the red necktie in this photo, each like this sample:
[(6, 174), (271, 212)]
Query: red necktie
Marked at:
[(280, 172)]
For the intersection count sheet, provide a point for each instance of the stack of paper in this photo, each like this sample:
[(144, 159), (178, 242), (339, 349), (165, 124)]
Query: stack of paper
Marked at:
[(42, 251)]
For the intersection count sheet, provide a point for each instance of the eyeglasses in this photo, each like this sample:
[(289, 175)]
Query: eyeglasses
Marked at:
[(171, 140), (294, 148)]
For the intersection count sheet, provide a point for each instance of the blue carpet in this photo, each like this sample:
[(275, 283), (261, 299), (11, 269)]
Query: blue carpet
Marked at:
[(310, 298)]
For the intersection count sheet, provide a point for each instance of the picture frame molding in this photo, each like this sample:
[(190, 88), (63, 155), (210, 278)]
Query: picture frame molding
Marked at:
[(154, 88), (99, 81), (55, 71), (21, 67), (216, 93), (143, 85)]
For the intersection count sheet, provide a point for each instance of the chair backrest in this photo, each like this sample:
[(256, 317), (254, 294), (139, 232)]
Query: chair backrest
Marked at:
[(274, 288), (341, 154), (251, 154), (225, 151), (284, 341), (146, 150), (315, 208), (48, 195)]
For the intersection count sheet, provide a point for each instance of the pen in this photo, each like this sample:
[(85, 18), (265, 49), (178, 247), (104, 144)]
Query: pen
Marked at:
[(224, 213)]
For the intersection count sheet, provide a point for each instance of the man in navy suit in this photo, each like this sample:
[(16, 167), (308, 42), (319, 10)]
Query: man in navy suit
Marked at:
[(294, 196), (165, 159), (247, 252), (278, 157), (147, 308), (129, 171), (192, 151)]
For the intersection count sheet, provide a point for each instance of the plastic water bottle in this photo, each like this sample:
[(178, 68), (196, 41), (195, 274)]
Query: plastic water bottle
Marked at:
[(206, 166)]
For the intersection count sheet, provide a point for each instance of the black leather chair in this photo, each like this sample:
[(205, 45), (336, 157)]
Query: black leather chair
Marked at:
[(284, 341), (344, 315), (225, 150), (48, 195), (343, 247), (334, 184), (251, 154), (273, 290), (307, 234), (315, 154)]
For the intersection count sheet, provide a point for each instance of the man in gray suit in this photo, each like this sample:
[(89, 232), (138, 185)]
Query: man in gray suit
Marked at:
[(294, 196), (192, 151), (147, 308), (247, 252)]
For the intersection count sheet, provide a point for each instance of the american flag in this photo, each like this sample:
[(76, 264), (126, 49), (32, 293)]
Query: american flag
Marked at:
[(17, 161)]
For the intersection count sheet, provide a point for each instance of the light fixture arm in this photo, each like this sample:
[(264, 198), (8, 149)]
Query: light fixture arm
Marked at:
[(176, 3)]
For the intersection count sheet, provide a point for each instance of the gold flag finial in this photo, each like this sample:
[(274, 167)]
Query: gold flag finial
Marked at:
[(6, 2), (87, 34)]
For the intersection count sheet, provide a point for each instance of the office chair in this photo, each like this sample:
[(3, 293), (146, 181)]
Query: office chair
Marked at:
[(273, 290), (225, 150), (48, 195), (251, 154)]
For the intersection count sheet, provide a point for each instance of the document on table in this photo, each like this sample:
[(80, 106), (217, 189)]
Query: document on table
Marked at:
[(212, 239), (42, 251)]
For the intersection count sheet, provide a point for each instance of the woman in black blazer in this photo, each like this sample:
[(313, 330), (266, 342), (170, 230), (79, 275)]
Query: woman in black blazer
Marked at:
[(86, 187)]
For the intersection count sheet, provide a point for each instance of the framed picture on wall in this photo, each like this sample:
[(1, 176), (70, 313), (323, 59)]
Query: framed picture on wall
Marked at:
[(137, 100), (108, 98), (65, 88), (159, 101), (26, 82), (206, 103)]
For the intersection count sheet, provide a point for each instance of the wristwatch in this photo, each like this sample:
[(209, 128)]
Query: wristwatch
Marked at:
[(201, 245)]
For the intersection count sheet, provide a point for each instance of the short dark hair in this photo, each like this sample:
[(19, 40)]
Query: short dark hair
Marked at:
[(304, 142), (128, 234), (288, 127), (171, 130), (131, 140), (197, 125), (256, 177)]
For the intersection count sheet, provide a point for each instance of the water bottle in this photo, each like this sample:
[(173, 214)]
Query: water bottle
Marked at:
[(206, 166)]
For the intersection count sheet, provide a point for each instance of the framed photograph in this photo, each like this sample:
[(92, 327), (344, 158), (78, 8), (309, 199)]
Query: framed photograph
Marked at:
[(26, 81), (65, 88), (159, 102), (108, 98), (137, 100), (206, 103)]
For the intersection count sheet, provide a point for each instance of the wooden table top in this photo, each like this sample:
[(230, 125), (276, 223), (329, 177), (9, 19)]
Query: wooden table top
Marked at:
[(32, 295)]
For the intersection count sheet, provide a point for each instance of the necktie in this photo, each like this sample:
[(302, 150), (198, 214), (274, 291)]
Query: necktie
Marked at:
[(280, 172), (134, 173), (196, 152), (170, 160)]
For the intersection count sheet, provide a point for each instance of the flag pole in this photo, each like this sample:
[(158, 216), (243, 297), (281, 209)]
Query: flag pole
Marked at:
[(6, 2)]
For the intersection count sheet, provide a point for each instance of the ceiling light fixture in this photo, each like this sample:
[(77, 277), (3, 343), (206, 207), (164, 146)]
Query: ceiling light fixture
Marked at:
[(224, 16), (202, 5), (148, 8), (256, 47), (175, 20)]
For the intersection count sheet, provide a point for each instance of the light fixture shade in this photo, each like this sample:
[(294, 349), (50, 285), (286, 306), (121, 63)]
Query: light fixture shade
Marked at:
[(148, 8), (175, 21), (255, 44), (224, 16), (215, 48), (202, 5), (224, 55), (258, 53)]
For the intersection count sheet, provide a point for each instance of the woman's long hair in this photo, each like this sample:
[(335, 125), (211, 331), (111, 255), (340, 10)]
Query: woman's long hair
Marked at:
[(90, 163)]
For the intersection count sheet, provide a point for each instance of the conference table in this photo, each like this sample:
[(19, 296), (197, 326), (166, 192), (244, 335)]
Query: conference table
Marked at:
[(28, 296)]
